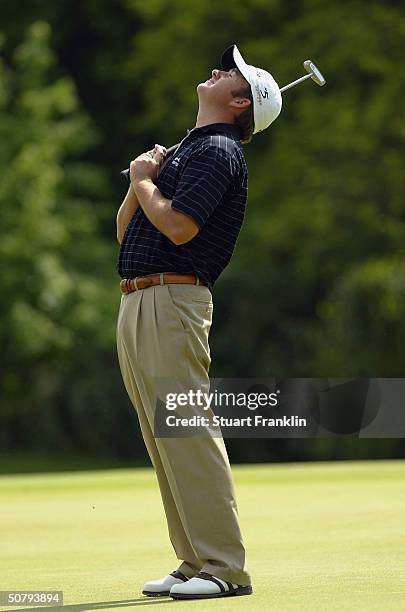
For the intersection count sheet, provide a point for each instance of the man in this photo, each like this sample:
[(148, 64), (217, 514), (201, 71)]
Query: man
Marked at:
[(177, 226)]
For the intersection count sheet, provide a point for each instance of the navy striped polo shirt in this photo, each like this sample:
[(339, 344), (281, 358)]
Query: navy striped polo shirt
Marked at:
[(206, 179)]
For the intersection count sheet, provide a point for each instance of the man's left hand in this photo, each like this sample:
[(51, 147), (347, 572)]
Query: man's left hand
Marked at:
[(146, 165)]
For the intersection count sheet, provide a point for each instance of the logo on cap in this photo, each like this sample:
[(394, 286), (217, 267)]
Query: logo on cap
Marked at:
[(258, 94), (265, 94)]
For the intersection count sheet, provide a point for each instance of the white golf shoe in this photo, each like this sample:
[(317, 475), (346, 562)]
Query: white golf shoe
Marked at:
[(206, 586), (156, 588)]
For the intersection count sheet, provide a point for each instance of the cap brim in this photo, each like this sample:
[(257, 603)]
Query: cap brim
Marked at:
[(232, 58), (227, 61)]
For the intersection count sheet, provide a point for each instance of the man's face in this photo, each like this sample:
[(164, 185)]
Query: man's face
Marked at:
[(218, 89)]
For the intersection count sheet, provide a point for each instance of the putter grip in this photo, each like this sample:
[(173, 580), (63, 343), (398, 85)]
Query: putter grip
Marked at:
[(169, 152)]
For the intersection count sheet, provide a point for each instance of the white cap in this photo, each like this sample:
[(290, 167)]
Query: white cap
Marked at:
[(266, 94)]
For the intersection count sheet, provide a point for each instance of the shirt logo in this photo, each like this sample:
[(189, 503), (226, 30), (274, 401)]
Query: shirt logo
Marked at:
[(175, 162)]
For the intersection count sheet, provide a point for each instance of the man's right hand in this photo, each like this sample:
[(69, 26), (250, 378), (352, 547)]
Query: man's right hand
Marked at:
[(159, 154)]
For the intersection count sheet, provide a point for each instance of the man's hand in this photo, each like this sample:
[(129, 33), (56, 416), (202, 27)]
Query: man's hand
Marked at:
[(147, 165), (144, 170)]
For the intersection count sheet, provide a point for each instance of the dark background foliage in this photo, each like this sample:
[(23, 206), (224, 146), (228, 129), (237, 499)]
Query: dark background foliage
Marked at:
[(316, 286)]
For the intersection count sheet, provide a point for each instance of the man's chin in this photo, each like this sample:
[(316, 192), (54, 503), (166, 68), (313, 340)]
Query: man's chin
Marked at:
[(201, 88), (204, 87)]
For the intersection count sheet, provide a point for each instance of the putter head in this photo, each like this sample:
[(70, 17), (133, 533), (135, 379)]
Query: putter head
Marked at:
[(316, 75)]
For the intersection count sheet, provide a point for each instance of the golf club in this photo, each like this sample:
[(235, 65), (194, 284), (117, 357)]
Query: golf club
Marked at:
[(313, 73)]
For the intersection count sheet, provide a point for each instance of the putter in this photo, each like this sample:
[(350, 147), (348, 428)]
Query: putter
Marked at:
[(313, 73)]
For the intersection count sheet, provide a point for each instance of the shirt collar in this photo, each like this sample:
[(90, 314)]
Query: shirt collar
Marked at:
[(217, 128)]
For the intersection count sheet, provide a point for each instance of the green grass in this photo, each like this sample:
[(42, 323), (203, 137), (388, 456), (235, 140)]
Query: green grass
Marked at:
[(320, 537)]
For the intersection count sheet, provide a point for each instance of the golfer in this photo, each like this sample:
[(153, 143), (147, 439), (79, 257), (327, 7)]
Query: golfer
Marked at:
[(177, 227)]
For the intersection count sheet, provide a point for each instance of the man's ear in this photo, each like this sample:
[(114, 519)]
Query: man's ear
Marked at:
[(240, 103)]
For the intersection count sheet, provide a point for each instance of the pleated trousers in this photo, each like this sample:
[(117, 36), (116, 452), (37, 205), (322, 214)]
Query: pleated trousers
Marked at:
[(162, 335)]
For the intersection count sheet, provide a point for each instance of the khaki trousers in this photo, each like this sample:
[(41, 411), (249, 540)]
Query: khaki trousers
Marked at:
[(162, 333)]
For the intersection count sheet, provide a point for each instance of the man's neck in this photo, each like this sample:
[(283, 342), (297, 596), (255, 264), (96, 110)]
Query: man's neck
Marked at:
[(207, 117)]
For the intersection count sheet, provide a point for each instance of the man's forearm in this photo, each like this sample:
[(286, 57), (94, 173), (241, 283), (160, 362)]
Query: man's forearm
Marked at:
[(157, 208), (178, 227), (126, 212)]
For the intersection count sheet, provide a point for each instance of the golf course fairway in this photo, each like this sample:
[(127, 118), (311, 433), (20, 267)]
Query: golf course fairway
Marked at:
[(319, 537)]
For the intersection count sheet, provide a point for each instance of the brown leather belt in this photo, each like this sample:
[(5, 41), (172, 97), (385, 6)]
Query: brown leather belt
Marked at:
[(128, 285)]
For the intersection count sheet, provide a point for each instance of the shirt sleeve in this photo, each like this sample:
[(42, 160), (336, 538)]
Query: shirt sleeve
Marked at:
[(203, 184)]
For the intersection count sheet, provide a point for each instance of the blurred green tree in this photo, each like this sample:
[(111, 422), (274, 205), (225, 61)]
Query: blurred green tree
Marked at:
[(57, 303), (326, 180), (315, 285)]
